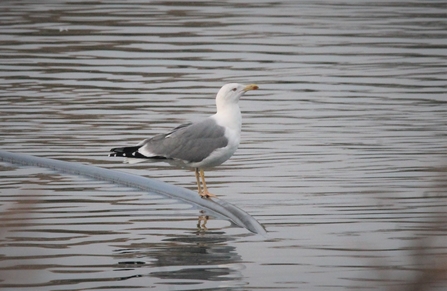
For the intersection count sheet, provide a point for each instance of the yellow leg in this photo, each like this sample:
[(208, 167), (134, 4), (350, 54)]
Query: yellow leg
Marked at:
[(205, 193), (198, 181)]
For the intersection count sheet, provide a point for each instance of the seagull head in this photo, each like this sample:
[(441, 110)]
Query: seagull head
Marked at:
[(230, 93)]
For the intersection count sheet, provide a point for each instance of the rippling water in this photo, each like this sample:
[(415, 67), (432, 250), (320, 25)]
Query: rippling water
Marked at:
[(342, 156)]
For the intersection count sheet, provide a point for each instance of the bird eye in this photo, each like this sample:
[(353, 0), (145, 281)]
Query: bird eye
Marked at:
[(234, 89)]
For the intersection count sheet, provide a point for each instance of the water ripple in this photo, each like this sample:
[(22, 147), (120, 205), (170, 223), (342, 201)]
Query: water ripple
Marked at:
[(342, 155)]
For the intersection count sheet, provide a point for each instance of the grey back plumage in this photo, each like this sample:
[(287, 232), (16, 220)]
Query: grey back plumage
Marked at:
[(189, 142)]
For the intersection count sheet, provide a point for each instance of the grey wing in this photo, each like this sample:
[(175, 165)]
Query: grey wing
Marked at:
[(144, 143), (189, 142)]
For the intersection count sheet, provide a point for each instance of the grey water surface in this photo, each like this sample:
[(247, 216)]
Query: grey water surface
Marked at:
[(343, 153)]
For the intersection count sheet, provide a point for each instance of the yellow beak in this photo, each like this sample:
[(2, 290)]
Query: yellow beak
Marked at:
[(250, 87)]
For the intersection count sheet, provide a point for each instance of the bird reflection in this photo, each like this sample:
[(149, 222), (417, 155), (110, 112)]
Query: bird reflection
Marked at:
[(198, 256), (201, 223)]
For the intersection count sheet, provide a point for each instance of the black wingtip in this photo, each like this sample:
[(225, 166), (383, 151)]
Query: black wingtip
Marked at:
[(117, 150), (130, 152)]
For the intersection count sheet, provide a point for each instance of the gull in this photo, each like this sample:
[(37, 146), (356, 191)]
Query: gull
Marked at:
[(201, 145)]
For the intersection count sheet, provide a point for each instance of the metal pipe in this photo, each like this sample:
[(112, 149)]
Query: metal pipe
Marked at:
[(214, 207)]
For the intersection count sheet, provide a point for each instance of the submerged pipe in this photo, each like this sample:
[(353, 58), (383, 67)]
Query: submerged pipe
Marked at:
[(214, 207)]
